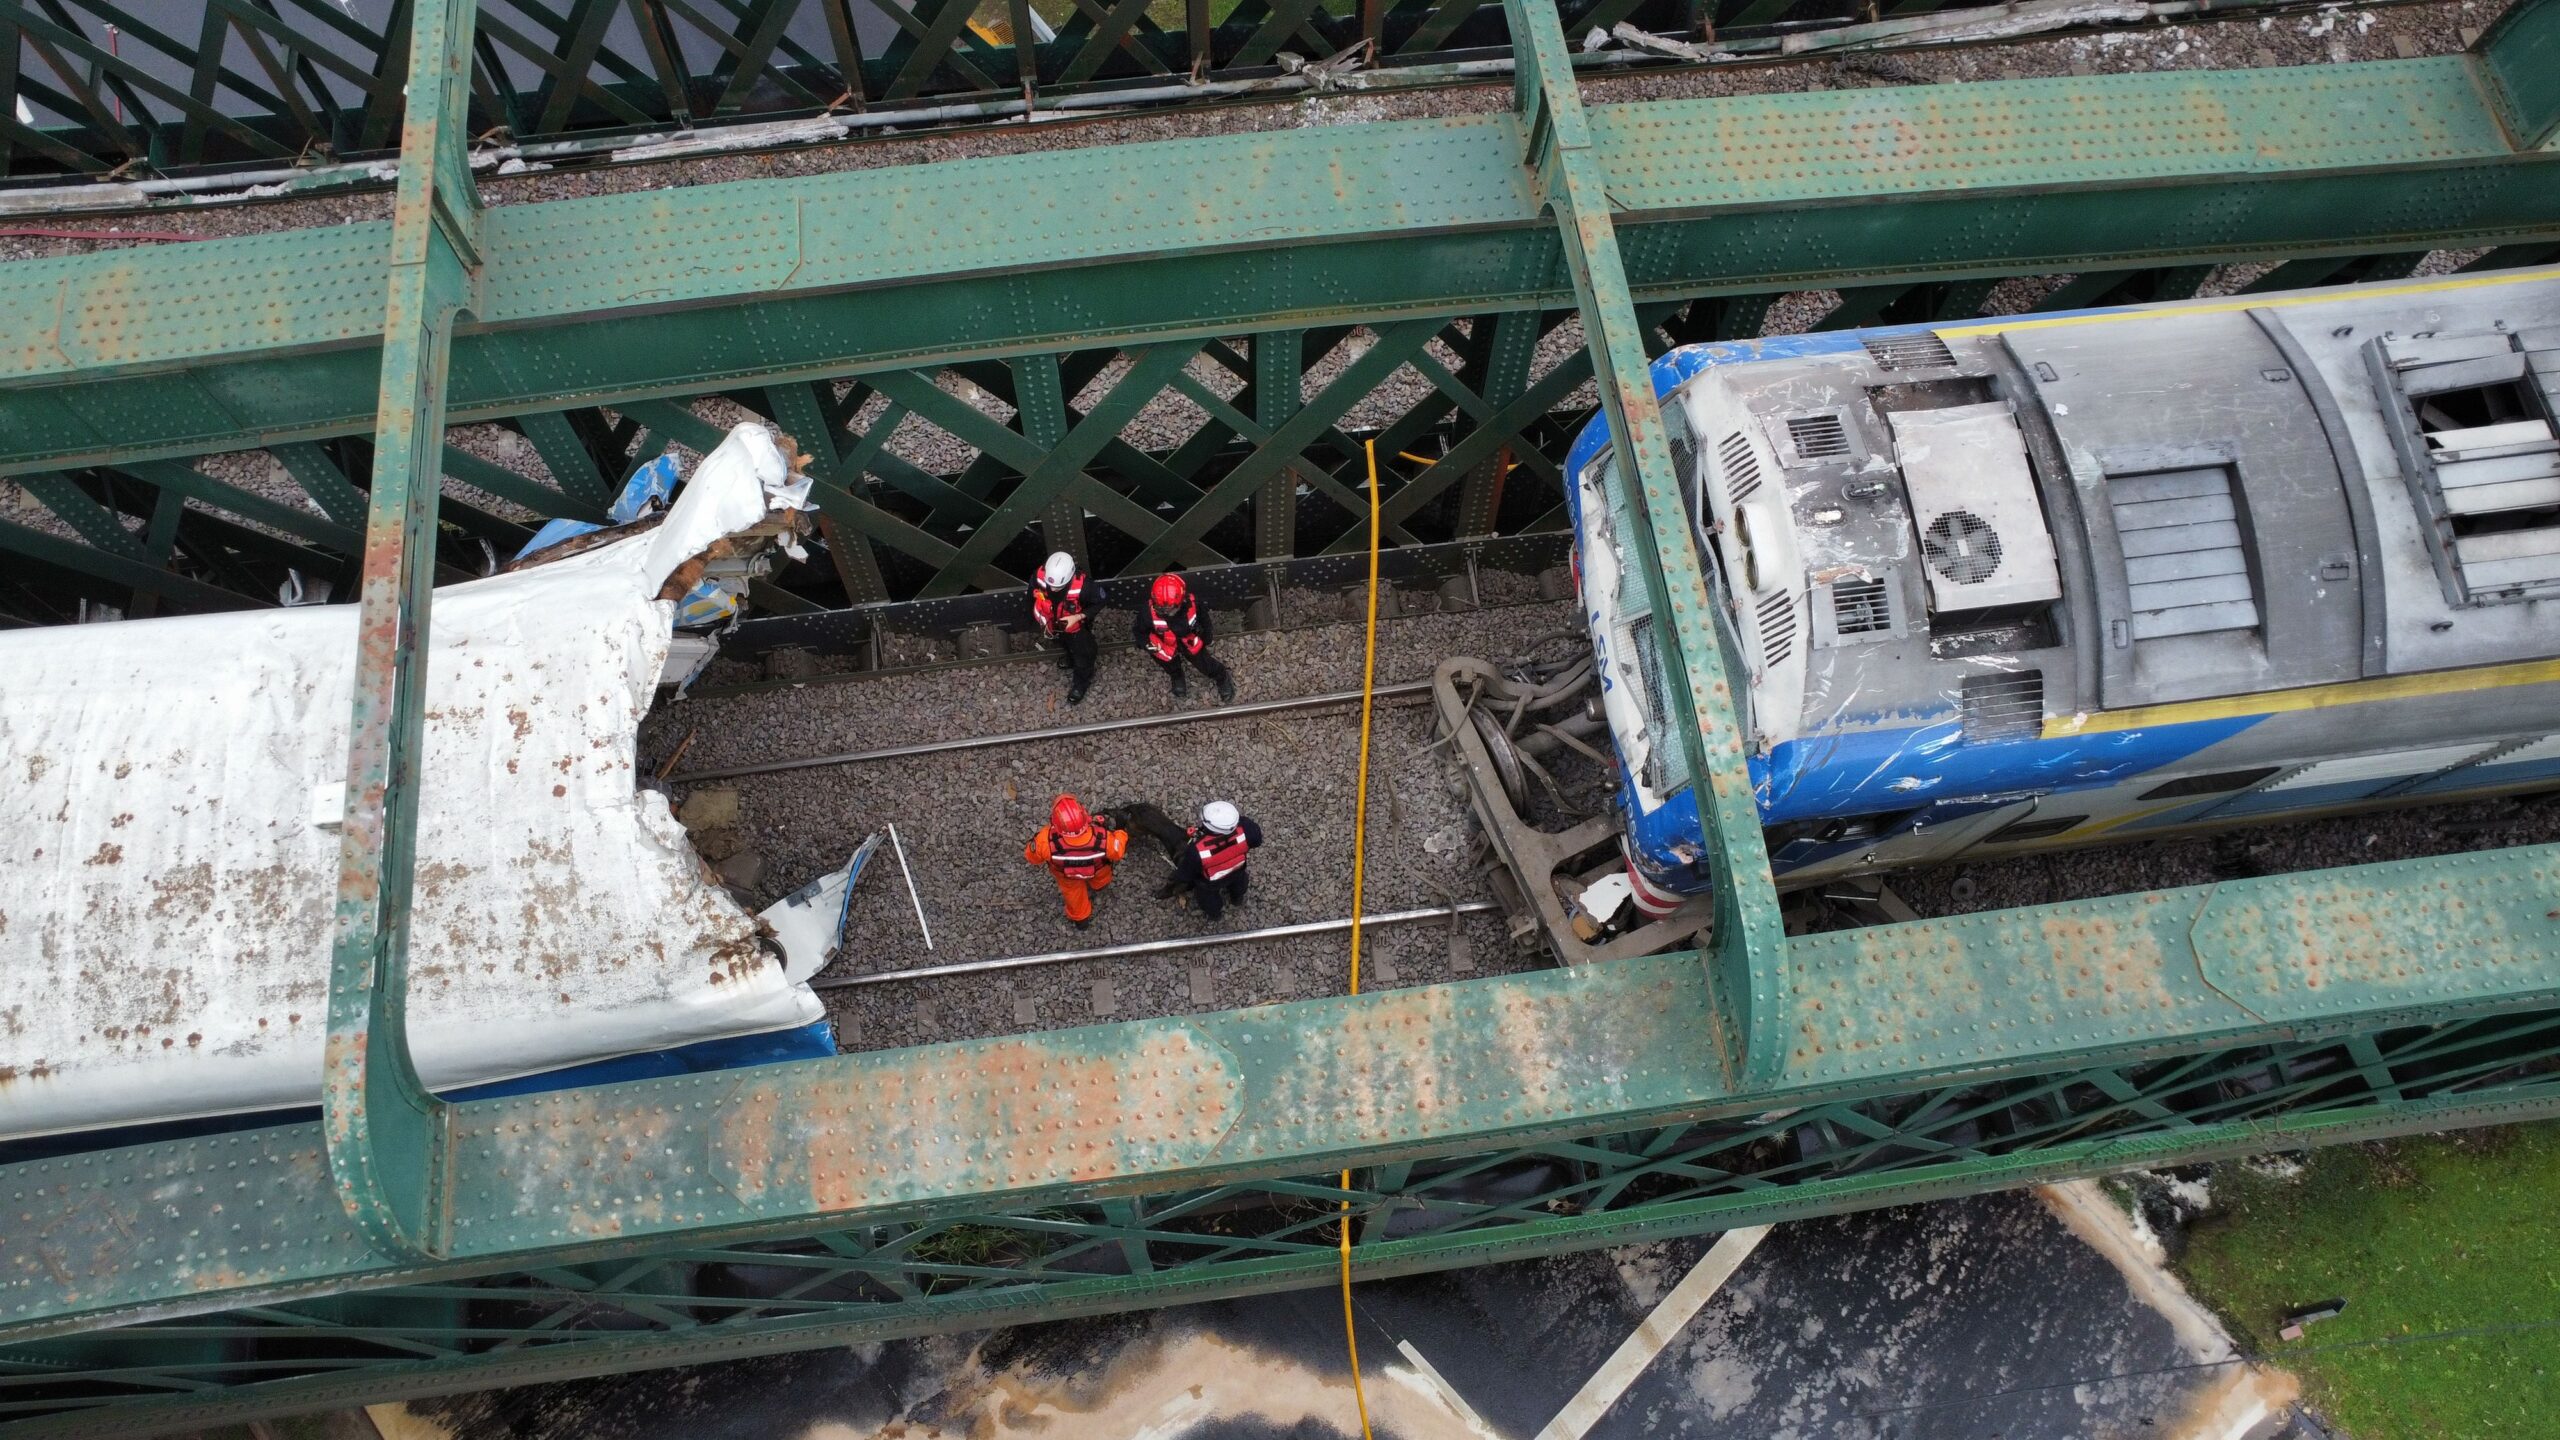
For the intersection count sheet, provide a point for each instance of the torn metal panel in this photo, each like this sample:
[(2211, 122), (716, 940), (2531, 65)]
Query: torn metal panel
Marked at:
[(168, 898)]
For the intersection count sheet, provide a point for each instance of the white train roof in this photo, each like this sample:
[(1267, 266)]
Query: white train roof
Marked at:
[(167, 884)]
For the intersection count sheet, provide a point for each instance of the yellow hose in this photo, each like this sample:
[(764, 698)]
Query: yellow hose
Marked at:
[(1359, 872)]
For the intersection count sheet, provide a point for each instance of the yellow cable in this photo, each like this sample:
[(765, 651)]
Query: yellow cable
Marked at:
[(1359, 871)]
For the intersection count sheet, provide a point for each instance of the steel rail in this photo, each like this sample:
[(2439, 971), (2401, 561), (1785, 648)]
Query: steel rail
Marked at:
[(1153, 947), (1063, 732)]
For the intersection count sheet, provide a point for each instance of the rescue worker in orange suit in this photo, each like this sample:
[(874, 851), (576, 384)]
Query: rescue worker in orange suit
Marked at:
[(1057, 605), (1175, 631), (1212, 863), (1079, 851)]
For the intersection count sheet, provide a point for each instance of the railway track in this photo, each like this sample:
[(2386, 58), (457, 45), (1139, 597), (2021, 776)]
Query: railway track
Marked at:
[(966, 782), (965, 761)]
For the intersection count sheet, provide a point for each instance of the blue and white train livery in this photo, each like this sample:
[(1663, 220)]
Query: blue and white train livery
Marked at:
[(2057, 579)]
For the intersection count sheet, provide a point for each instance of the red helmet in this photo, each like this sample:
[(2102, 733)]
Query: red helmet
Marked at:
[(1067, 817), (1168, 592)]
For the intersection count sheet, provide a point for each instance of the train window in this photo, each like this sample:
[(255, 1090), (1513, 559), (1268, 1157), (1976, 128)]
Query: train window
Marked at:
[(2186, 786), (2186, 551), (2033, 827)]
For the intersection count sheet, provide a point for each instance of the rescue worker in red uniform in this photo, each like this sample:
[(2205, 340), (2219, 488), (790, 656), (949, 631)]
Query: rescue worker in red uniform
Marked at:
[(1175, 631), (1079, 851), (1212, 863), (1057, 606)]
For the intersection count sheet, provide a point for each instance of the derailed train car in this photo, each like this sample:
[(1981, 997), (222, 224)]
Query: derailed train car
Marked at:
[(175, 788), (2083, 577)]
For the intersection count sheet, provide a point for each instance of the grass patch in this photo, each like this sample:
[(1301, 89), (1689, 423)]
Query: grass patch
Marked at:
[(2421, 1236)]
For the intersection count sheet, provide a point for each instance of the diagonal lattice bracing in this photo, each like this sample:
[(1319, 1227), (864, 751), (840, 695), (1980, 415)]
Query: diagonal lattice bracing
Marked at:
[(963, 1269)]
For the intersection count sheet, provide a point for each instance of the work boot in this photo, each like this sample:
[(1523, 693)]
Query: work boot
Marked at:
[(1181, 684), (1227, 688), (1066, 661), (1075, 692)]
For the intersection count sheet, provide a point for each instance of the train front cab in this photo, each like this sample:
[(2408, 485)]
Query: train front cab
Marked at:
[(2286, 741)]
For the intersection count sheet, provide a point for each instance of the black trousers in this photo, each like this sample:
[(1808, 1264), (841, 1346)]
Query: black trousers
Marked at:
[(1080, 654), (1204, 662), (1213, 896)]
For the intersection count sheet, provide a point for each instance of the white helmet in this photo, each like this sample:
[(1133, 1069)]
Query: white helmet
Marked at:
[(1220, 816), (1057, 570)]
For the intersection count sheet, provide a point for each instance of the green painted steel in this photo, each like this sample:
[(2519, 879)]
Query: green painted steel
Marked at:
[(386, 1136), (403, 1247), (1577, 183), (2519, 61), (277, 82), (679, 292), (1007, 1179), (1214, 1098)]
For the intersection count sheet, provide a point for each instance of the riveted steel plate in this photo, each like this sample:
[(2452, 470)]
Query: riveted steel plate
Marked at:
[(908, 222), (169, 1222), (2061, 982), (2464, 928), (159, 305), (1979, 989), (760, 280), (1310, 1085), (874, 1130), (1861, 144)]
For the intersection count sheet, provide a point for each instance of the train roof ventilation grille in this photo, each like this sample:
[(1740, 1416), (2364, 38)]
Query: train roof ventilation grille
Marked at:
[(1818, 437), (2007, 705), (1777, 630), (1741, 468), (2486, 455), (1861, 607), (2186, 559), (1924, 351), (1963, 547)]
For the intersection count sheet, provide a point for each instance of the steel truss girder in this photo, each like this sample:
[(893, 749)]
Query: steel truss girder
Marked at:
[(1490, 413), (1875, 1039), (1301, 1089), (617, 298), (273, 81), (696, 1300)]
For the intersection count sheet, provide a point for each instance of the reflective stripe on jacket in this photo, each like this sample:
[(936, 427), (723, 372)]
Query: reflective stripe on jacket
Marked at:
[(1163, 635), (1059, 611), (1082, 859), (1219, 855)]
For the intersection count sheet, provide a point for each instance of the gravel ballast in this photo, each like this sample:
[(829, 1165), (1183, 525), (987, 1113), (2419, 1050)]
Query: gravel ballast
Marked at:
[(965, 816)]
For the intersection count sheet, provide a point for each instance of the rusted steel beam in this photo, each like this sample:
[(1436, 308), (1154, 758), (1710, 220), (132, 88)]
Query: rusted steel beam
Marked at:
[(385, 1135)]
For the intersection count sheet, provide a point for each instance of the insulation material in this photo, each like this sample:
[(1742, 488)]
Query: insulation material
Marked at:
[(174, 785)]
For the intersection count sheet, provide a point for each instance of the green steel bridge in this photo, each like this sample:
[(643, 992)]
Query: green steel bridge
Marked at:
[(404, 1246)]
